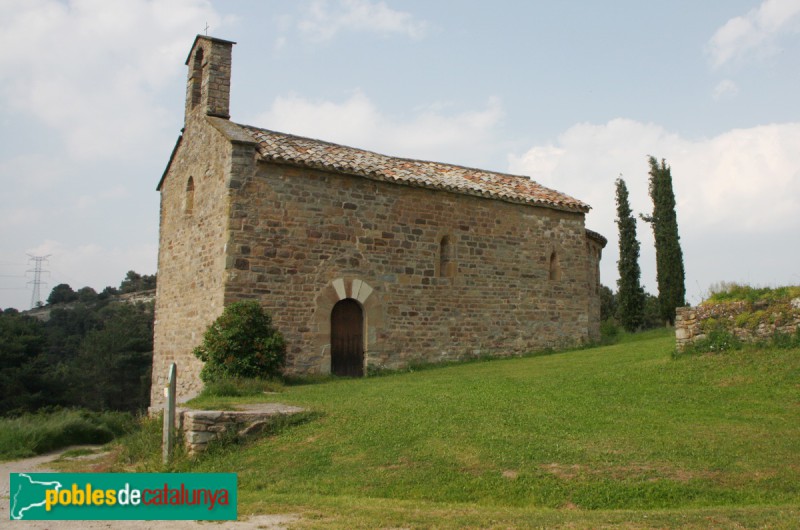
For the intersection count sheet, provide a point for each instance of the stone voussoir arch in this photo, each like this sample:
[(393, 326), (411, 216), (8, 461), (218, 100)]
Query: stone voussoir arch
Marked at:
[(368, 298)]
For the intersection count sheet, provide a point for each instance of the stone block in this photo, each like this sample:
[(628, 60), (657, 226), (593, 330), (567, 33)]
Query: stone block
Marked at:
[(205, 416), (193, 437), (681, 333), (254, 428)]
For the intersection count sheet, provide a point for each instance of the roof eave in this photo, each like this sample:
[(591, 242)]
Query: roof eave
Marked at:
[(597, 237), (169, 162), (212, 39)]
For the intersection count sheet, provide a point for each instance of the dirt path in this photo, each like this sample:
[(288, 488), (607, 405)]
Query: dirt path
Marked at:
[(39, 464)]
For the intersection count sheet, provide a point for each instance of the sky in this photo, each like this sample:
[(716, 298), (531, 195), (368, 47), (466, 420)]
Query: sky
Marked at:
[(573, 94)]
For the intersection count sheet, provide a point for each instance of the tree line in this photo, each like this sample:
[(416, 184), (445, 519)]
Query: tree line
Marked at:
[(94, 351), (633, 307)]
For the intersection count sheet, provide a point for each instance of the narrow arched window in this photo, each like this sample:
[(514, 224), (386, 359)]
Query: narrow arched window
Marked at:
[(188, 201), (197, 77), (447, 262), (555, 267)]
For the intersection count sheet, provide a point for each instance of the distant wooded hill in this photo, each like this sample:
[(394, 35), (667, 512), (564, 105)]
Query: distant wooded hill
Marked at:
[(83, 349)]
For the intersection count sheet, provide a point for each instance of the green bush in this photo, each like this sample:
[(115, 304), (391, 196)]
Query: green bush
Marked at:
[(757, 318), (717, 339), (710, 324), (609, 332), (720, 340), (786, 340), (743, 319), (733, 292), (241, 343)]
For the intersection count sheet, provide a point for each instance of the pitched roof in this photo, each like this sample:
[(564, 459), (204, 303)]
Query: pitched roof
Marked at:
[(295, 150), (206, 37)]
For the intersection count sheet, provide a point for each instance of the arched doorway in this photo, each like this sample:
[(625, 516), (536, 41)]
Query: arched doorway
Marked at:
[(347, 338)]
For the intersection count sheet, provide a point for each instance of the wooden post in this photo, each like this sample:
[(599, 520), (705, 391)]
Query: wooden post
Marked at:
[(168, 440)]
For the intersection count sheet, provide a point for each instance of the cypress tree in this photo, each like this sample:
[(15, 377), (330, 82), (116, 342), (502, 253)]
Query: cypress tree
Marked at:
[(669, 257), (630, 295)]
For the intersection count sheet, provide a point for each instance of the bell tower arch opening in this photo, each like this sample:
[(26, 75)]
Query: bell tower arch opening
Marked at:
[(209, 77)]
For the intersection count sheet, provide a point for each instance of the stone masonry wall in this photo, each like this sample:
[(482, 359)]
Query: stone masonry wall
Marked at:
[(691, 323), (300, 237), (211, 78), (191, 260), (594, 251), (202, 426)]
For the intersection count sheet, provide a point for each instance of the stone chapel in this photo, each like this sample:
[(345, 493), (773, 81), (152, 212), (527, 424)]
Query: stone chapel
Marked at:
[(364, 261)]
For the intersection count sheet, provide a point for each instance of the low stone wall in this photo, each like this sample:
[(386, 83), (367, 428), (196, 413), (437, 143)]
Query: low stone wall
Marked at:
[(201, 426), (747, 321)]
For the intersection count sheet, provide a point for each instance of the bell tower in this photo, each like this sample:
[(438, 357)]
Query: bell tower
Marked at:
[(208, 87)]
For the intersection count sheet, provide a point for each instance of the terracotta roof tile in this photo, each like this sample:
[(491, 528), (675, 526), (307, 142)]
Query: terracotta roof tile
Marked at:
[(296, 150)]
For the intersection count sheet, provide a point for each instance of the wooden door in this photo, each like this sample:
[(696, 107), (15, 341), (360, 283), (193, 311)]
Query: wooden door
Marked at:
[(347, 339)]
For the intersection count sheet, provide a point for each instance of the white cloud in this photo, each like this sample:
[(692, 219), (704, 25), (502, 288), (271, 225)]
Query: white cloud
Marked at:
[(71, 65), (755, 32), (713, 177), (427, 134), (742, 186), (323, 22), (725, 89)]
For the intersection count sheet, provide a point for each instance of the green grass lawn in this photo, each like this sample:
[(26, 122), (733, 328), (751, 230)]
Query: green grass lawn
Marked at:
[(34, 434), (602, 436)]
